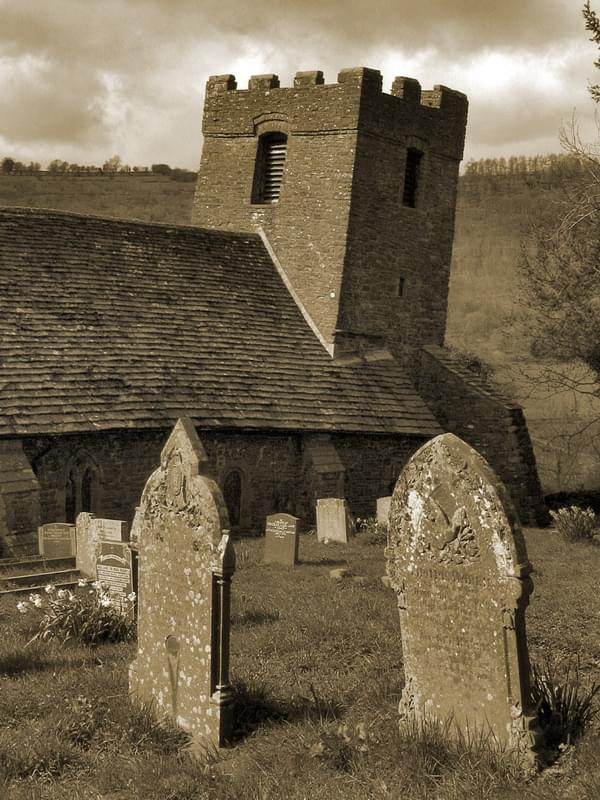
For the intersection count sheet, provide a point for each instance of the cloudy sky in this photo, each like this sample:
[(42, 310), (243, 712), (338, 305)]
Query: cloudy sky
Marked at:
[(83, 80)]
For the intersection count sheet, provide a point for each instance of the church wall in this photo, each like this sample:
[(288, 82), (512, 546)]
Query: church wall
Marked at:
[(373, 464), (271, 465), (469, 407)]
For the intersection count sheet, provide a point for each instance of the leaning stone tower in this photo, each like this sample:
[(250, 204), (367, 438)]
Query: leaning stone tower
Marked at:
[(353, 189)]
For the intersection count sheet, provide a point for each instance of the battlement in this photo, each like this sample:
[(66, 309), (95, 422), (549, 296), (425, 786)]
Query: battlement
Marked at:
[(355, 102), (407, 89)]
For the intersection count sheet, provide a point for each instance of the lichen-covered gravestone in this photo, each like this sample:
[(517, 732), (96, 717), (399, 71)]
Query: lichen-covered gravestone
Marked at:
[(185, 567), (456, 558)]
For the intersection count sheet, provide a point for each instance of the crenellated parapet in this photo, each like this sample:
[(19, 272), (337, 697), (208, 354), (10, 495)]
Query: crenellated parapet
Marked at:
[(355, 101)]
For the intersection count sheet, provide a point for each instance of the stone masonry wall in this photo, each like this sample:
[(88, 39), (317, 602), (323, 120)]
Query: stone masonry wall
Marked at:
[(373, 464), (340, 230), (469, 407), (19, 498), (270, 464)]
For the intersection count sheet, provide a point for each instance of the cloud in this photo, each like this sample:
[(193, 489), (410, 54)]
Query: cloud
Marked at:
[(127, 76)]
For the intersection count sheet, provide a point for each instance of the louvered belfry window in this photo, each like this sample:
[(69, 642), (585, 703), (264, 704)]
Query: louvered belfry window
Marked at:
[(269, 167)]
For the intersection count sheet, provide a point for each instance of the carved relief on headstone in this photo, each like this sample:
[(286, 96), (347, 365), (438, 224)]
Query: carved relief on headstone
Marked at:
[(334, 521), (185, 568), (281, 539), (457, 561)]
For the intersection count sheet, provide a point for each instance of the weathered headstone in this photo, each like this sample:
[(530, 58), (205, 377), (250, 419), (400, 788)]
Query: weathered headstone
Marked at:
[(114, 571), (281, 539), (91, 531), (87, 545), (334, 521), (383, 510), (185, 568), (458, 563), (57, 540)]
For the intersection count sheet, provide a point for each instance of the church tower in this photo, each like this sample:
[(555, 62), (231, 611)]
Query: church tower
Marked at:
[(354, 191)]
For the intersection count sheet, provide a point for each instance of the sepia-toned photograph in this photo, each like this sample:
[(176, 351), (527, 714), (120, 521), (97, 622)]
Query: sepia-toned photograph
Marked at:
[(299, 400)]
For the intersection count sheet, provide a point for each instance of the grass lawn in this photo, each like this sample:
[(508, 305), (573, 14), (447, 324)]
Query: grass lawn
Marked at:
[(317, 668)]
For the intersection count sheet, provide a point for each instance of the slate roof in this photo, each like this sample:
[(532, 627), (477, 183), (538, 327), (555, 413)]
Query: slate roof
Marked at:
[(108, 324)]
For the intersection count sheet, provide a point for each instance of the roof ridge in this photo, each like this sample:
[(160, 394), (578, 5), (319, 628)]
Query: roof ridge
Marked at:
[(31, 211)]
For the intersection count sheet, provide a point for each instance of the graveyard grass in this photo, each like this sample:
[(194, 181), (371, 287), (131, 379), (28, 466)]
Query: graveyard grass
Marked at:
[(317, 669)]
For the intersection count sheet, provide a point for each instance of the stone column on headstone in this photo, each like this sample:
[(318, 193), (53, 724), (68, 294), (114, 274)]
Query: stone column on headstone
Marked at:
[(221, 692)]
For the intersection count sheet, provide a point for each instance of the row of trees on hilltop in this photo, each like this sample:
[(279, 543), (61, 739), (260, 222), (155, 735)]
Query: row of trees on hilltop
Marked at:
[(554, 165), (113, 166)]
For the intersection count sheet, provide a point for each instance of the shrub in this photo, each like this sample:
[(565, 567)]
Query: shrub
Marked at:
[(90, 615), (371, 531), (565, 708), (574, 523)]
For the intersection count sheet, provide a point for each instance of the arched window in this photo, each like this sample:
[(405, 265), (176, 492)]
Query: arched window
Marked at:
[(232, 494), (87, 490), (81, 487), (71, 498), (270, 161)]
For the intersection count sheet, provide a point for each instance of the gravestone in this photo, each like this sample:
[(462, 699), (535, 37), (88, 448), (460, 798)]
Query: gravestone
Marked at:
[(281, 539), (114, 571), (334, 521), (57, 540), (185, 568), (87, 545), (383, 510), (458, 564), (91, 531), (110, 530)]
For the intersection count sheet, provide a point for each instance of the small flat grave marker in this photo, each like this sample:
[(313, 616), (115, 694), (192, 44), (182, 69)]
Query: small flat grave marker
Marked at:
[(110, 530), (334, 521), (281, 539), (458, 564), (383, 510), (57, 540), (113, 569)]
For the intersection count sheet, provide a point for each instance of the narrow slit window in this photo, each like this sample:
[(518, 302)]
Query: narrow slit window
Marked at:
[(401, 287), (411, 177), (269, 168)]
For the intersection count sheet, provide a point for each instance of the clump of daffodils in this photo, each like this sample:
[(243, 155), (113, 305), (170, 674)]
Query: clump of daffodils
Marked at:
[(89, 615), (574, 523)]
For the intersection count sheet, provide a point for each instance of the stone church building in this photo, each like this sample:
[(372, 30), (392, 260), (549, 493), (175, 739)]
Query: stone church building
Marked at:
[(298, 320)]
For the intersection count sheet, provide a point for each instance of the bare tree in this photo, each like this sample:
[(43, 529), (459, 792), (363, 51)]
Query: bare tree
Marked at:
[(558, 305)]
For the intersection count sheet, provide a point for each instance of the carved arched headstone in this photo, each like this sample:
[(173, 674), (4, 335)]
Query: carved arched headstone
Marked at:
[(185, 566), (456, 558)]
